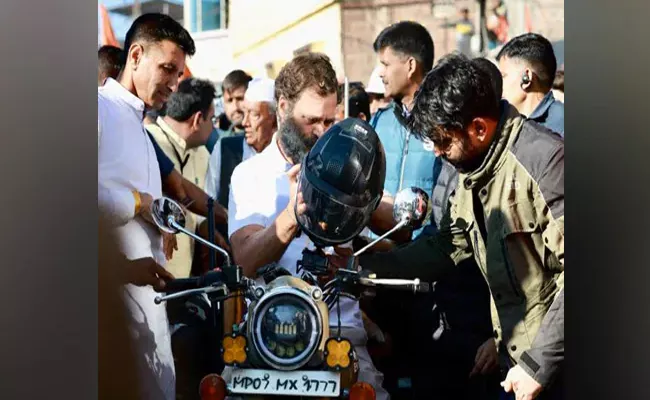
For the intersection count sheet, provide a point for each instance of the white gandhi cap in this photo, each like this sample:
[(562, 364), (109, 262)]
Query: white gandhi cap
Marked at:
[(375, 85), (261, 89)]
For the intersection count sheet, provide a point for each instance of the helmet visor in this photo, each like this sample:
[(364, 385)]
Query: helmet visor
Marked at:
[(327, 221)]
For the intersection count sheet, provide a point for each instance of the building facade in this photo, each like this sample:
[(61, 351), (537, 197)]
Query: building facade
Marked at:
[(206, 20), (260, 36), (265, 35)]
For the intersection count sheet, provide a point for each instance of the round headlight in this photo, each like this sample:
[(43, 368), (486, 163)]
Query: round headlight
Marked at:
[(287, 329)]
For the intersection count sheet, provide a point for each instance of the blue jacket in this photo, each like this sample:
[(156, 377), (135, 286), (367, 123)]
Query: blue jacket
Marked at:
[(550, 113), (389, 122)]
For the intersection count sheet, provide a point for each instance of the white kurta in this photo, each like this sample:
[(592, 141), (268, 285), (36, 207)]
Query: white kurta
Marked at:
[(259, 192), (126, 162), (213, 177)]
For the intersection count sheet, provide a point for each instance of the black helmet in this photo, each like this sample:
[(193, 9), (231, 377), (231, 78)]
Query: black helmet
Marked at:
[(342, 182)]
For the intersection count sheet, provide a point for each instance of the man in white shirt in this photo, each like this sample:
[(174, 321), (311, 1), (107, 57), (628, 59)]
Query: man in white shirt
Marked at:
[(128, 173), (260, 122), (262, 221)]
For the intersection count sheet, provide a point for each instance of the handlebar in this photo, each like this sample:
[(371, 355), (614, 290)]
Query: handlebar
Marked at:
[(209, 279), (405, 284), (213, 281), (348, 276)]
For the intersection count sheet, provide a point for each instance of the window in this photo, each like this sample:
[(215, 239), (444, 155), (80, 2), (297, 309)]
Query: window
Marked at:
[(205, 15)]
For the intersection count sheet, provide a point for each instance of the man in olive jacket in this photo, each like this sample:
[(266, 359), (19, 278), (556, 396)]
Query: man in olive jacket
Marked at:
[(505, 209)]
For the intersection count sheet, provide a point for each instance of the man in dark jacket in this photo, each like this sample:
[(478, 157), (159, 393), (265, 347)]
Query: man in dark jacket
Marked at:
[(505, 210), (528, 66)]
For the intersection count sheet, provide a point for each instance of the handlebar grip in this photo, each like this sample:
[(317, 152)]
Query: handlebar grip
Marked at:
[(423, 287), (208, 279), (212, 277), (178, 285)]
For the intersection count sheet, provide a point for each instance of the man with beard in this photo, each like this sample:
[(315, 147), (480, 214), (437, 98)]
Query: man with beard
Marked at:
[(429, 330), (506, 212), (129, 178), (262, 221)]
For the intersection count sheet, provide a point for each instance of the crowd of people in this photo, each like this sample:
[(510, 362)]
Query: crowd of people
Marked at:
[(484, 138)]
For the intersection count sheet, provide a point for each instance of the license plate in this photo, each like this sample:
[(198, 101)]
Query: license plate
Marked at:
[(290, 383)]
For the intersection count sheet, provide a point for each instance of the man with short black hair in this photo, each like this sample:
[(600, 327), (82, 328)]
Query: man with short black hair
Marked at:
[(129, 177), (506, 212), (405, 52), (233, 89), (528, 66), (181, 133), (493, 71), (110, 63), (466, 364), (174, 184)]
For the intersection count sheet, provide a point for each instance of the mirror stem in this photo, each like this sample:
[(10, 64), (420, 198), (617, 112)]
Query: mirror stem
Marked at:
[(399, 226), (174, 225)]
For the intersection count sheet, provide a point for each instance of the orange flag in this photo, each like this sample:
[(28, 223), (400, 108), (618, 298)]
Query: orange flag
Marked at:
[(108, 36)]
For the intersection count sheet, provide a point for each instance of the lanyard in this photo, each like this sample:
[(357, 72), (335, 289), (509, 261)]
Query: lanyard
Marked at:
[(177, 154)]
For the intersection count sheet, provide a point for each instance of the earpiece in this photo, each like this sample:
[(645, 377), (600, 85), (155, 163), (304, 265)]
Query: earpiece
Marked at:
[(525, 80)]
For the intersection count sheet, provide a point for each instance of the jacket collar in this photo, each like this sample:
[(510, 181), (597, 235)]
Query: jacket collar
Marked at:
[(543, 106), (400, 112), (509, 124)]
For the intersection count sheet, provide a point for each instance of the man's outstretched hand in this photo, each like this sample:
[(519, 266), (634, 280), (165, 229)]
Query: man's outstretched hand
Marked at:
[(146, 271)]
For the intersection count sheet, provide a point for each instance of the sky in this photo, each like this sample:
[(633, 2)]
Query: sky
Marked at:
[(120, 23)]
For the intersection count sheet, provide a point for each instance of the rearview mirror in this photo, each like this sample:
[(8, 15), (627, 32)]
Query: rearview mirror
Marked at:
[(411, 205), (168, 215)]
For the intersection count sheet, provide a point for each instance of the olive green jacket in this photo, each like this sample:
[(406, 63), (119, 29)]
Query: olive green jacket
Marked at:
[(517, 242)]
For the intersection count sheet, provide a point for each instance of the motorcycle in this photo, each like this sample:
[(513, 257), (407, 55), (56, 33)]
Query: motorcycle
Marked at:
[(283, 346)]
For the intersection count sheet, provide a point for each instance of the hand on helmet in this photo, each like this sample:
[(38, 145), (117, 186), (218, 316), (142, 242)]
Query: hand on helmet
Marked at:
[(294, 196)]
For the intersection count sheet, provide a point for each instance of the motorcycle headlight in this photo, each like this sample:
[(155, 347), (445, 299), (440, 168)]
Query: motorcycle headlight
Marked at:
[(287, 329)]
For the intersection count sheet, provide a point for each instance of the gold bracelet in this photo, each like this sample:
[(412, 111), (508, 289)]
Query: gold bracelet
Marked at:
[(138, 201)]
